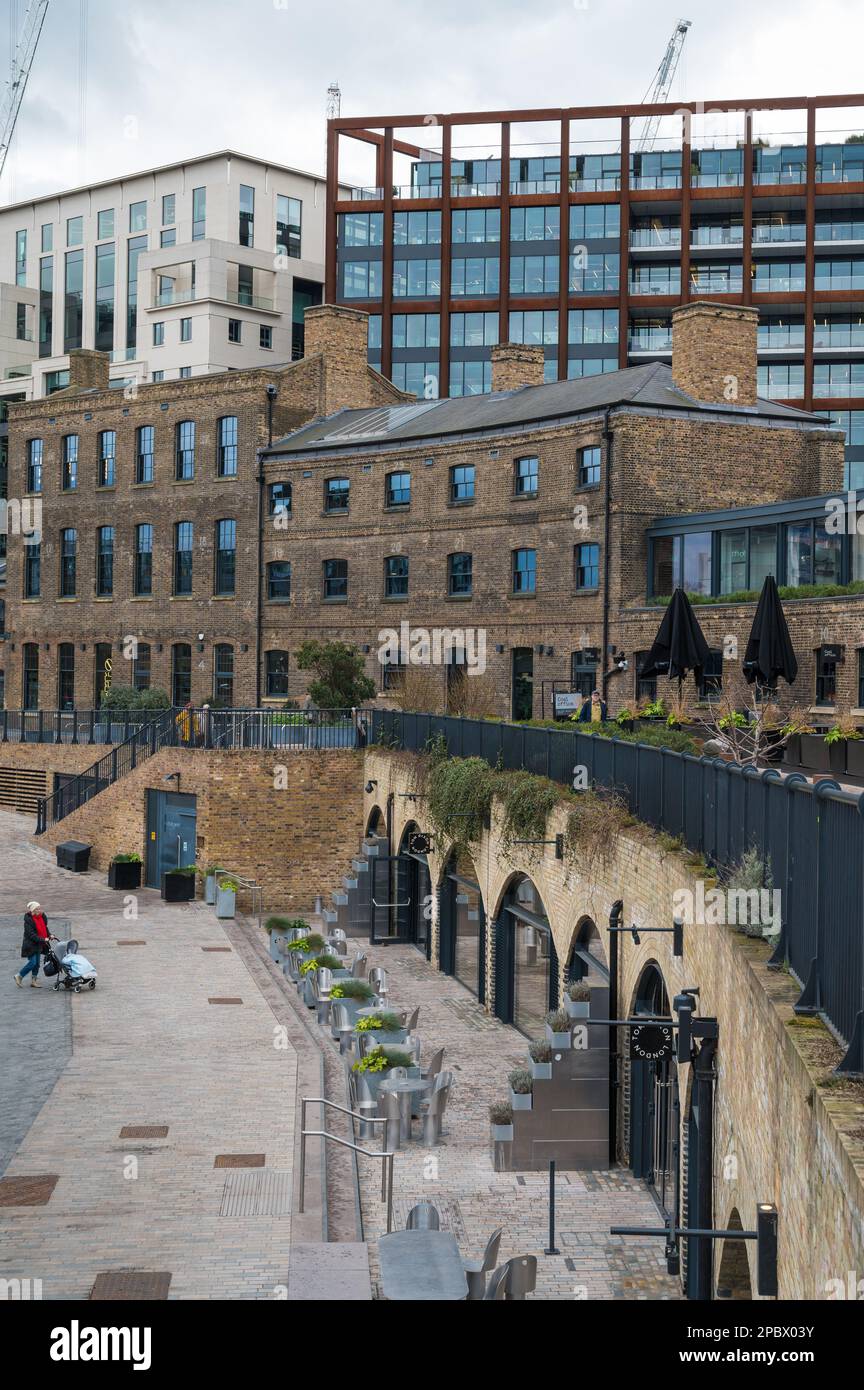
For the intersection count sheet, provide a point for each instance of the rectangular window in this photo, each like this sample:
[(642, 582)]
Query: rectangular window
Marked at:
[(21, 258), (289, 220), (141, 667), (223, 674), (279, 581), (475, 225), (593, 326), (357, 228), (460, 574), (144, 443), (733, 562), (74, 231), (535, 224), (66, 676), (474, 276), (34, 465), (32, 570), (362, 279), (538, 327), (826, 675), (587, 574), (526, 476), (30, 669), (184, 462), (337, 493), (277, 675), (462, 483), (183, 550), (184, 373), (47, 236), (417, 331), (199, 213), (73, 300), (135, 247), (421, 378), (398, 489), (168, 237), (396, 576), (158, 334), (534, 274), (235, 330), (22, 332), (335, 579), (279, 499), (104, 224), (181, 673), (265, 336), (595, 222), (70, 462), (68, 562), (589, 466), (138, 217), (105, 262), (107, 456), (473, 330), (470, 378), (105, 561), (417, 228), (524, 571), (711, 680), (697, 563), (143, 560), (168, 206), (226, 557), (246, 233), (46, 305), (417, 279), (646, 688), (186, 330), (226, 448)]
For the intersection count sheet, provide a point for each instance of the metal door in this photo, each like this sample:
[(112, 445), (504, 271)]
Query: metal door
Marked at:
[(171, 829), (389, 899)]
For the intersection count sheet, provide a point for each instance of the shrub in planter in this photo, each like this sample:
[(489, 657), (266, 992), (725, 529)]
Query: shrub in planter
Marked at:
[(501, 1116), (577, 999), (541, 1059), (305, 944), (359, 991), (377, 1063), (840, 739), (226, 897), (387, 1026), (815, 752), (178, 885), (855, 756), (124, 871), (558, 1029), (521, 1088)]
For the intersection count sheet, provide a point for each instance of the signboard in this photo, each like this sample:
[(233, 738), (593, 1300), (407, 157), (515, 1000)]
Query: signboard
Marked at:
[(651, 1042), (109, 667), (567, 701), (420, 844)]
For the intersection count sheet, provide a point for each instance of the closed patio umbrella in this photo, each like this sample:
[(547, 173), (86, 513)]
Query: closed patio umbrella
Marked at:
[(680, 644), (769, 653)]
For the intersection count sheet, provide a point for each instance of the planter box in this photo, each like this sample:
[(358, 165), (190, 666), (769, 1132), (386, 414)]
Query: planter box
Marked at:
[(577, 1008), (385, 1039), (210, 894), (522, 1101), (178, 888), (226, 902), (855, 757), (815, 753), (541, 1071), (561, 1041), (502, 1134), (124, 875), (792, 750), (837, 754)]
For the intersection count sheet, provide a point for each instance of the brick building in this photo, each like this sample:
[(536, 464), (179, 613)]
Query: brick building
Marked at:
[(149, 521), (521, 519)]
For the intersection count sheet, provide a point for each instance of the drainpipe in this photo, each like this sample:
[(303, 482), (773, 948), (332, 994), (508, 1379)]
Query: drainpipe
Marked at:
[(614, 922), (607, 528), (272, 393)]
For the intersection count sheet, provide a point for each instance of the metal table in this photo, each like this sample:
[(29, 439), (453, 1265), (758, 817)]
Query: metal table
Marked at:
[(406, 1088), (420, 1266)]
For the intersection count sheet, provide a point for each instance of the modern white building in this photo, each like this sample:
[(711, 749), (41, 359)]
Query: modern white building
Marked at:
[(177, 271)]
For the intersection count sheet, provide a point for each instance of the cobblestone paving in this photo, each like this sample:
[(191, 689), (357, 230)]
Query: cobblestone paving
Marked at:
[(146, 1049), (458, 1177)]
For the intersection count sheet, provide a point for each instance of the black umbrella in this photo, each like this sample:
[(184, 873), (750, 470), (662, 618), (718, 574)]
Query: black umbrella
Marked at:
[(680, 644), (769, 653)]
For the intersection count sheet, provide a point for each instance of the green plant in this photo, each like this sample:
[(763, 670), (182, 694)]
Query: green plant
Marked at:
[(122, 698), (527, 802), (750, 873), (578, 991), (228, 885), (558, 1020), (521, 1081), (188, 870), (539, 1050), (844, 731), (655, 709), (127, 858), (353, 989), (340, 680), (280, 923), (734, 720), (501, 1112), (327, 962), (382, 1059), (304, 944), (373, 1023), (460, 792), (624, 715), (308, 967)]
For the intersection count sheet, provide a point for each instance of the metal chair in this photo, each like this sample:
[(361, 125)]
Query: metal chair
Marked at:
[(411, 1019), (388, 1108), (476, 1270), (434, 1065), (358, 966), (341, 1025), (365, 1043), (497, 1287), (363, 1103), (324, 981), (423, 1217), (378, 981), (521, 1276), (398, 1073), (337, 945), (443, 1081), (433, 1114)]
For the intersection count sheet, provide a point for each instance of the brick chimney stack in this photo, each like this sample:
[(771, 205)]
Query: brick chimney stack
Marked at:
[(88, 370), (714, 352), (515, 365), (338, 335)]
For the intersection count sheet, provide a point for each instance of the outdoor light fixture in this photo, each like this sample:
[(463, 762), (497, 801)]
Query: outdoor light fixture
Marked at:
[(766, 1250), (169, 777), (370, 786), (200, 636), (635, 935)]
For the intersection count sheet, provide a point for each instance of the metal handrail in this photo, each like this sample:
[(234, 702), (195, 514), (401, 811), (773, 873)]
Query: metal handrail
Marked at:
[(248, 883), (386, 1156)]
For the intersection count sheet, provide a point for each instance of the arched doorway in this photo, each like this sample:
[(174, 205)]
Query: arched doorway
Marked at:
[(733, 1280), (526, 963), (413, 896), (655, 1113), (587, 959), (376, 825), (463, 924)]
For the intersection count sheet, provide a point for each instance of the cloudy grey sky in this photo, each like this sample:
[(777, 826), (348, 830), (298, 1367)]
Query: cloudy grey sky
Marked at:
[(165, 79)]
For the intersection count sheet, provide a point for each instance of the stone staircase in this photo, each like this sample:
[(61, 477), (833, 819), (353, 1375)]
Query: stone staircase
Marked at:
[(350, 905)]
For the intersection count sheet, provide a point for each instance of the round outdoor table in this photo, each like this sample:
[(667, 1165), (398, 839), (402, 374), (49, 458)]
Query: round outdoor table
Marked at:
[(423, 1265), (406, 1088)]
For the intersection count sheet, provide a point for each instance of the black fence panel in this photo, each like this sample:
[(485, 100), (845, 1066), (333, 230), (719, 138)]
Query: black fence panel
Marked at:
[(672, 778)]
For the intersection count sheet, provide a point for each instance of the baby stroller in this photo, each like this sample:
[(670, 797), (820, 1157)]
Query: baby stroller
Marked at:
[(72, 970)]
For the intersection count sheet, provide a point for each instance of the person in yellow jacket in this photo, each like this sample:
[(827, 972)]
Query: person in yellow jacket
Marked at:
[(187, 723)]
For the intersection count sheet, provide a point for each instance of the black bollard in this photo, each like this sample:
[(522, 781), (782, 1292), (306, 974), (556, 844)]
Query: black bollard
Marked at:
[(551, 1249)]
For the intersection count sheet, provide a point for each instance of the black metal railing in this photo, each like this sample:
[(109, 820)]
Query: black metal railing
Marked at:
[(288, 729), (71, 726), (811, 835)]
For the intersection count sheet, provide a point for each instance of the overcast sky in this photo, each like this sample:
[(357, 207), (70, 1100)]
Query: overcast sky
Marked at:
[(166, 79)]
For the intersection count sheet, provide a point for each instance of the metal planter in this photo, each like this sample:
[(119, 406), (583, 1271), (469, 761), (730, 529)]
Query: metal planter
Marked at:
[(210, 892), (577, 1008), (226, 902), (541, 1071), (522, 1100), (563, 1041)]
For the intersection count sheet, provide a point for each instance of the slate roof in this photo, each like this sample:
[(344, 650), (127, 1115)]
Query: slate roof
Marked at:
[(649, 385)]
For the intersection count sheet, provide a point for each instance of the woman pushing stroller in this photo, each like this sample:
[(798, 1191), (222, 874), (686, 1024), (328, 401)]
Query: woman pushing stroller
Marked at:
[(34, 944)]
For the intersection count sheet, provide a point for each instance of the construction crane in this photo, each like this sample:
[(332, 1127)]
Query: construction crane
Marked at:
[(22, 62), (334, 101), (660, 85)]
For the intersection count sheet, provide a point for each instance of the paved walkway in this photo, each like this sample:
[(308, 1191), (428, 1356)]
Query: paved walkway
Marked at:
[(458, 1177), (146, 1048)]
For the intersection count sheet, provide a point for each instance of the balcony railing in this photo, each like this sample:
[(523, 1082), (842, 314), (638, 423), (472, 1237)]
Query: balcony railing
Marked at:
[(652, 340), (124, 355), (169, 297), (716, 284), (717, 236), (839, 282), (777, 236), (779, 284), (644, 238), (850, 337), (359, 195), (773, 342), (670, 286), (248, 301)]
